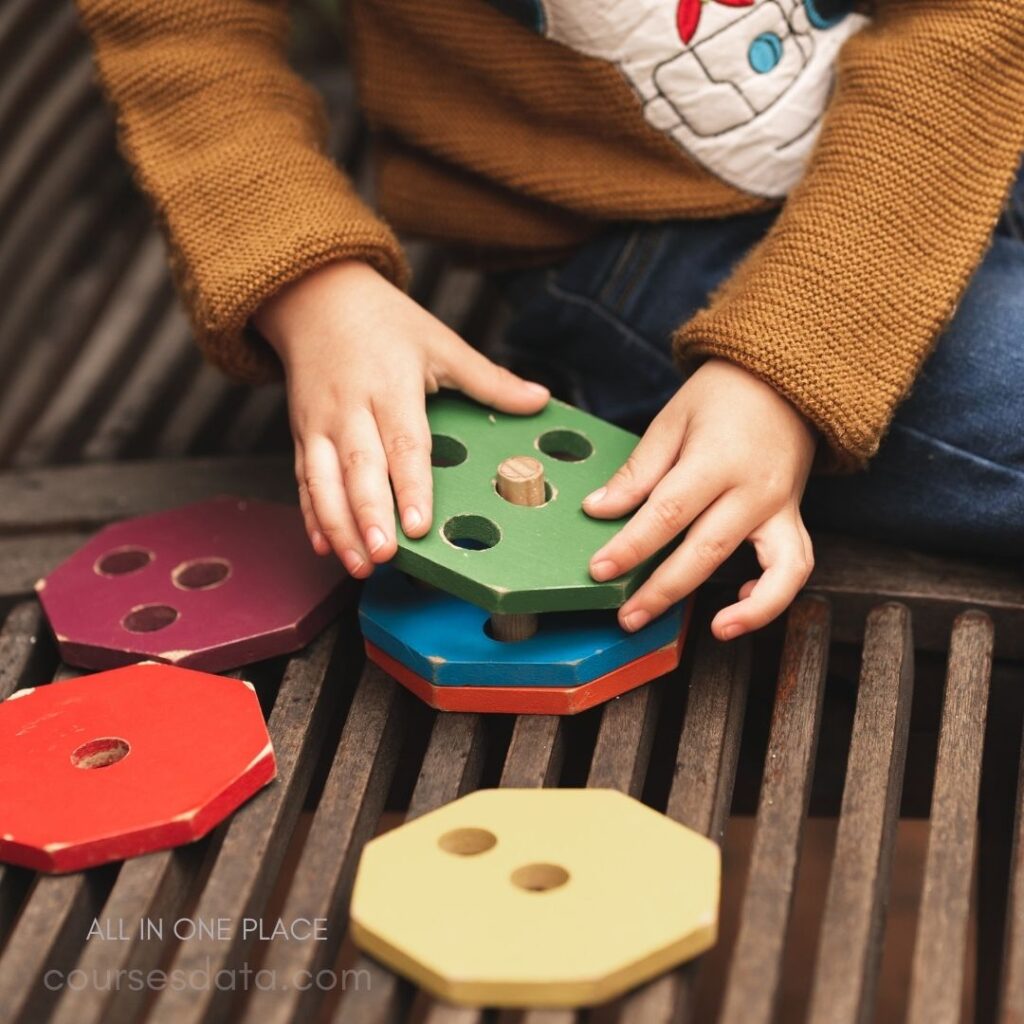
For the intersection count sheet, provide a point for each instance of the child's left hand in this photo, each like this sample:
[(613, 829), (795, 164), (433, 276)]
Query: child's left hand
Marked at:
[(727, 460)]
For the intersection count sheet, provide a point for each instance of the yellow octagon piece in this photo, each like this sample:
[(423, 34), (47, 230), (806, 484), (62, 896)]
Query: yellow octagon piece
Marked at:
[(536, 897)]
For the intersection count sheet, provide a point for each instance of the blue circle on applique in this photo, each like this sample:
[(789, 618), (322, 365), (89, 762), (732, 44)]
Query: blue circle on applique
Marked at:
[(765, 52), (826, 13)]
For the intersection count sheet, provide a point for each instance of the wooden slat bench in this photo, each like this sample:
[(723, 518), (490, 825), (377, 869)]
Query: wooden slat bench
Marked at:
[(773, 727), (887, 704)]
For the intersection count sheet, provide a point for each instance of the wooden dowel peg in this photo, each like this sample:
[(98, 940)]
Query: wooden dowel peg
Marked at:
[(520, 481)]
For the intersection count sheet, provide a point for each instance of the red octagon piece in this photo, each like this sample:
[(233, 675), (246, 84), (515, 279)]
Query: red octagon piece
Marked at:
[(214, 585), (125, 762)]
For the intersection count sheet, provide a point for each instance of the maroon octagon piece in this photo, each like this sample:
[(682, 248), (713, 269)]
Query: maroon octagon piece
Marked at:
[(214, 585), (121, 763)]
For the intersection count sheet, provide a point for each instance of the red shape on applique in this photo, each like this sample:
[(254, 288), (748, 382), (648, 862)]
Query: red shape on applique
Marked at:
[(688, 15)]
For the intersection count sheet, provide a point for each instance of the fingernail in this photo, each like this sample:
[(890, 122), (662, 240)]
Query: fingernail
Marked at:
[(730, 631), (636, 620), (375, 539), (604, 570), (317, 540), (537, 389), (411, 518), (352, 561), (596, 496)]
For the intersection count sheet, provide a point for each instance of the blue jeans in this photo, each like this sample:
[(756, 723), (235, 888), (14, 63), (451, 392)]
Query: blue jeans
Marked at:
[(949, 475)]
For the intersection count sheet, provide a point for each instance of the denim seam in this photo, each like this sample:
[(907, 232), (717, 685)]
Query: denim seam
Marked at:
[(956, 449), (599, 311), (621, 263)]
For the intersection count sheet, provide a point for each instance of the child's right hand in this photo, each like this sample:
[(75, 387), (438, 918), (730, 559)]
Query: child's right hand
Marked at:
[(359, 356)]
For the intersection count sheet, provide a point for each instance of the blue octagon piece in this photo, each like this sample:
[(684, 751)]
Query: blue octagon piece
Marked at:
[(445, 640)]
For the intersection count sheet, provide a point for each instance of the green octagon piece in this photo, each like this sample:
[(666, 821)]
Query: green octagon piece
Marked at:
[(511, 558)]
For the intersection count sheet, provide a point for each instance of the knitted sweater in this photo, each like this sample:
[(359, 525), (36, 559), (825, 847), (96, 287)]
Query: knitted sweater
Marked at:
[(524, 125)]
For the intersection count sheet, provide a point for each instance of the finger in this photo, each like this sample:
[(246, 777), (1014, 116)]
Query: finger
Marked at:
[(672, 506), (313, 530), (364, 475), (405, 434), (714, 536), (781, 552), (648, 463), (491, 384), (327, 500), (747, 587)]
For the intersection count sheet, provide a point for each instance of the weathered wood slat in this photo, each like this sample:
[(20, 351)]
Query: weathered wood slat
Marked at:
[(149, 892), (755, 973), (111, 348), (850, 944), (22, 650), (25, 560), (207, 391), (701, 791), (535, 752), (346, 815), (17, 20), (937, 973), (45, 942), (43, 68), (1011, 985), (41, 365), (81, 497), (451, 768), (261, 408), (257, 835), (166, 358), (622, 750), (32, 300)]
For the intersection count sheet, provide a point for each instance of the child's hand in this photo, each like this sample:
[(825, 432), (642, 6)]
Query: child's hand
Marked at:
[(359, 356), (727, 458)]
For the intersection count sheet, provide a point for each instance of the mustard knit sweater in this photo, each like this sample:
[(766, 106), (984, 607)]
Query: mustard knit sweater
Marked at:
[(490, 135)]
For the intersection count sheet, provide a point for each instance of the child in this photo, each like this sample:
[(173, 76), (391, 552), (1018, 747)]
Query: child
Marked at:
[(635, 155)]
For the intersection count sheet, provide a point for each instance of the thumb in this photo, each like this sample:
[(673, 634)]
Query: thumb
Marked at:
[(493, 385)]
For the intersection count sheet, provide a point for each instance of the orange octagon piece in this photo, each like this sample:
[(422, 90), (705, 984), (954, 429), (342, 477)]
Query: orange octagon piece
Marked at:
[(212, 586), (125, 762)]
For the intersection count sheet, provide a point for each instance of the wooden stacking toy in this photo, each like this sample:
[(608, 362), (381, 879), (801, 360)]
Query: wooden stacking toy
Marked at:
[(213, 585), (125, 762), (541, 897), (504, 554), (495, 609)]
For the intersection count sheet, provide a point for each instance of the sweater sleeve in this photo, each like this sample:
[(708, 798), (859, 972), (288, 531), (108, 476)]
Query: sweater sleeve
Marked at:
[(229, 145), (841, 302)]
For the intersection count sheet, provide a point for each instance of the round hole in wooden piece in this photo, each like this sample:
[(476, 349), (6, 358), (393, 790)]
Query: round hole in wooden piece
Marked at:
[(201, 574), (467, 842), (445, 451), (540, 877), (122, 561), (565, 445), (471, 533), (100, 753), (148, 618)]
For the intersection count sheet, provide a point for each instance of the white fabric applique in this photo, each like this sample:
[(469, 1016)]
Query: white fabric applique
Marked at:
[(740, 85)]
